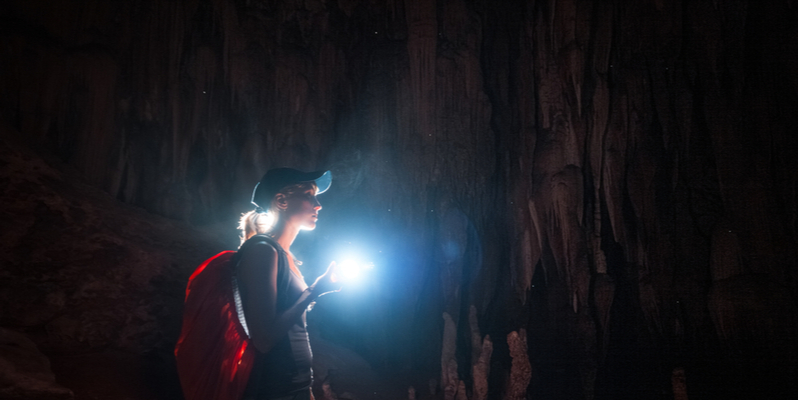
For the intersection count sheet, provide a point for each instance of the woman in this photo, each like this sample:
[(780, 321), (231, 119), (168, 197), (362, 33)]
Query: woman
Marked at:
[(273, 294)]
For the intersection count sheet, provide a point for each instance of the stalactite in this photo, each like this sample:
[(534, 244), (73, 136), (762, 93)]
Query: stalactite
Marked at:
[(421, 18)]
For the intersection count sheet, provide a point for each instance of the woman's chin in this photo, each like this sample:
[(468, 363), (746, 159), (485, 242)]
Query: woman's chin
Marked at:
[(309, 227)]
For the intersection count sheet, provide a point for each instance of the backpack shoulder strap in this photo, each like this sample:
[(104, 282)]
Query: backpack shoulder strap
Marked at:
[(237, 295), (261, 239)]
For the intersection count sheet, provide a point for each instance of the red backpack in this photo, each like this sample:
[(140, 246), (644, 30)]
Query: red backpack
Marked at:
[(214, 354)]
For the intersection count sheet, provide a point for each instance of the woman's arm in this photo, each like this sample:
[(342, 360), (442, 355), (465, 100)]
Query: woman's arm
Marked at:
[(258, 272)]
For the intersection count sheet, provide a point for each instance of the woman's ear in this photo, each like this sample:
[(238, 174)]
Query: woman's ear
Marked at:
[(281, 202)]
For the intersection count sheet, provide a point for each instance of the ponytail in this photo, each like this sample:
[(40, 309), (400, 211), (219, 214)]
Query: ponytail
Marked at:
[(254, 223)]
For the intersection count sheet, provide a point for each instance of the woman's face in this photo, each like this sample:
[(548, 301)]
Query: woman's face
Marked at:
[(303, 209)]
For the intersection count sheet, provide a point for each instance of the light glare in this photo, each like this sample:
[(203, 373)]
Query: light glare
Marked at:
[(351, 270)]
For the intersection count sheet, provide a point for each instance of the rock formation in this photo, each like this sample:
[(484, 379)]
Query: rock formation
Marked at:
[(25, 372)]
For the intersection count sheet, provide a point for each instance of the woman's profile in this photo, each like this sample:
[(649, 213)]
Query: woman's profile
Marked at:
[(272, 297)]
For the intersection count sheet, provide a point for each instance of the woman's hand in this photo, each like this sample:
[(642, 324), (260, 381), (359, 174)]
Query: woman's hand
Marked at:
[(327, 282)]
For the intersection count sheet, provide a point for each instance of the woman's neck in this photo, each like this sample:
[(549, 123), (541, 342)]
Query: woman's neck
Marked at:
[(285, 234)]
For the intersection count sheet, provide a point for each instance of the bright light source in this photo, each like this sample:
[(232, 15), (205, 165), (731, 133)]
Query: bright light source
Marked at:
[(351, 270), (352, 263)]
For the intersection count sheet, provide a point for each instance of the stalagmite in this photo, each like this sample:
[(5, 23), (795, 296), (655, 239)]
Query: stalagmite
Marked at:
[(450, 390), (461, 394), (679, 384), (480, 371), (520, 375), (327, 392), (475, 334)]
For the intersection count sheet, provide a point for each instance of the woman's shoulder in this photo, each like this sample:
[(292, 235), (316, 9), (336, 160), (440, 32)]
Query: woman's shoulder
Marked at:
[(260, 246), (260, 240)]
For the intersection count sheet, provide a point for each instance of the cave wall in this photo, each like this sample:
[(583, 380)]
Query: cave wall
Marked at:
[(617, 178)]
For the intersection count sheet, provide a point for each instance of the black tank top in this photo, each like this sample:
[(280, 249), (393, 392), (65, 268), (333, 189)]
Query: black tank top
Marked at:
[(286, 368)]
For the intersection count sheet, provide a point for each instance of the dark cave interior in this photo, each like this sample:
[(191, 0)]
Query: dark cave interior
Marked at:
[(562, 199)]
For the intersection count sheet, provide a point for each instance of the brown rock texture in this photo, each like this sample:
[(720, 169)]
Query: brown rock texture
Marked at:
[(480, 371), (520, 374), (25, 372), (84, 270), (617, 178)]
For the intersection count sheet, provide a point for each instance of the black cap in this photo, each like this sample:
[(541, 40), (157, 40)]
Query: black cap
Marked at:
[(276, 179)]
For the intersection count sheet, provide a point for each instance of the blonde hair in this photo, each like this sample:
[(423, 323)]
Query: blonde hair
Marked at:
[(254, 223)]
